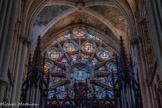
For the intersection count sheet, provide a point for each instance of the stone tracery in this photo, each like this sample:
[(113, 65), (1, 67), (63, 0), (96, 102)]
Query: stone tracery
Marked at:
[(81, 55)]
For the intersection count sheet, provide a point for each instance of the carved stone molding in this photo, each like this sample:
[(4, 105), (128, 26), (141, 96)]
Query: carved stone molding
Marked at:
[(136, 40), (25, 40)]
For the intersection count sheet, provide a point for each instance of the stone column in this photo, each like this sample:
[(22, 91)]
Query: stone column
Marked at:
[(4, 31), (16, 71), (155, 33), (142, 74), (3, 9), (21, 71), (7, 49)]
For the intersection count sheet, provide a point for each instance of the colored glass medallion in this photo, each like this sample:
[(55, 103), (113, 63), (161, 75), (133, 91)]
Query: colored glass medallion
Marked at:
[(70, 47), (79, 34), (88, 47), (112, 66), (66, 37), (80, 75), (104, 55), (53, 54)]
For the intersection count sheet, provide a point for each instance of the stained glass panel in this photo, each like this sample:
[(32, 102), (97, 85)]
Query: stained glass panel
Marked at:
[(79, 75), (101, 69), (65, 61), (53, 54), (104, 55), (47, 66), (102, 79), (74, 57), (57, 69), (70, 47), (67, 102), (103, 94), (51, 94), (84, 57), (111, 81), (66, 37), (57, 79), (79, 34), (90, 36), (112, 66), (94, 61), (88, 47)]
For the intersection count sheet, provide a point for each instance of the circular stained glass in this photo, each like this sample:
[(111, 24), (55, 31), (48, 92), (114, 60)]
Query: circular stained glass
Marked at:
[(80, 75), (70, 47), (104, 55), (112, 66), (53, 54), (89, 47), (103, 94), (47, 66)]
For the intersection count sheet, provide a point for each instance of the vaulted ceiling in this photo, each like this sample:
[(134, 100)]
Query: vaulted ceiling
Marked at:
[(101, 15)]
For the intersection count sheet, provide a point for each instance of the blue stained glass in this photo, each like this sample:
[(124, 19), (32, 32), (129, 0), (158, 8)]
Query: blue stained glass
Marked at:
[(104, 55), (67, 102), (112, 66), (103, 94), (111, 81)]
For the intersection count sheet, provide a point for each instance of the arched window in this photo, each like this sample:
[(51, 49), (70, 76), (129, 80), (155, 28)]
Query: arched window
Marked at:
[(80, 56)]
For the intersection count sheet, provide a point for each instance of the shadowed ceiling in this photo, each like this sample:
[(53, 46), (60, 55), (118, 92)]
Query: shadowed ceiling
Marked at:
[(106, 18)]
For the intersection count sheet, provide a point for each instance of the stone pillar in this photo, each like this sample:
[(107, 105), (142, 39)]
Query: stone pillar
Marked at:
[(21, 70), (155, 32), (142, 74), (4, 33), (8, 43), (16, 71), (3, 11)]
